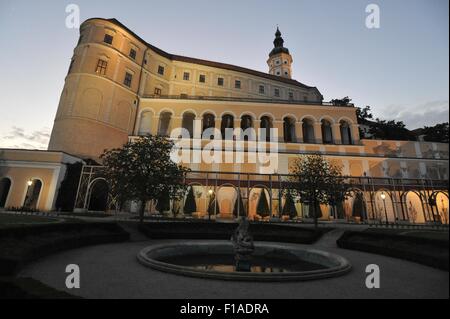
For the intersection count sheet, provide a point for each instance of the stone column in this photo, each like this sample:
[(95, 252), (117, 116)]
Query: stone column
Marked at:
[(299, 132), (318, 132), (355, 133), (336, 131)]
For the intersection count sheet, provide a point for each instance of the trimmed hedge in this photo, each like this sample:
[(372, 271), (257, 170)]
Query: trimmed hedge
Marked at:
[(214, 230), (20, 245), (426, 251)]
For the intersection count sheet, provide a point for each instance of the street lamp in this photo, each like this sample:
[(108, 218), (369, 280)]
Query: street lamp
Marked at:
[(383, 197), (210, 194)]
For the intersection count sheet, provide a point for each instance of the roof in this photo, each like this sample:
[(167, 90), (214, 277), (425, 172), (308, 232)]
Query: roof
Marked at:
[(220, 65)]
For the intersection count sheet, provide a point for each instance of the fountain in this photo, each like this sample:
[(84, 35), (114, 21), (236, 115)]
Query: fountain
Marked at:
[(241, 259)]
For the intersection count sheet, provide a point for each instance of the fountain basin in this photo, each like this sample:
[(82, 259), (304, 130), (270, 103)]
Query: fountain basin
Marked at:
[(269, 262)]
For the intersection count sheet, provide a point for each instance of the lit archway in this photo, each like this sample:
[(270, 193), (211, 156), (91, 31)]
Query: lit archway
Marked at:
[(5, 186), (33, 193)]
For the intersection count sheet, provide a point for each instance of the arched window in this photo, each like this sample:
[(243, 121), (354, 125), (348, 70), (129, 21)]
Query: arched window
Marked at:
[(327, 134), (289, 130), (145, 123), (5, 185), (266, 125), (32, 195), (98, 196), (308, 131), (164, 123), (227, 123), (246, 123), (208, 122), (346, 135), (188, 123)]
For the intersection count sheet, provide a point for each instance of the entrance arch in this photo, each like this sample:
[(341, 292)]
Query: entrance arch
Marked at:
[(98, 195), (33, 193)]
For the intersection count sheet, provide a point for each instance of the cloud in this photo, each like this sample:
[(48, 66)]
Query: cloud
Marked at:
[(17, 137), (418, 115)]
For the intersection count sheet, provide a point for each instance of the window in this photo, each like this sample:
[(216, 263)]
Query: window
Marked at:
[(285, 73), (202, 78), (278, 73), (261, 89), (101, 67), (186, 76), (157, 91), (161, 70), (108, 39), (285, 62), (237, 84), (133, 54), (220, 81), (128, 78), (276, 92), (291, 96)]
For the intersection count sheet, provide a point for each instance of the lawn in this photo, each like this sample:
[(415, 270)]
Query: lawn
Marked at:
[(8, 220)]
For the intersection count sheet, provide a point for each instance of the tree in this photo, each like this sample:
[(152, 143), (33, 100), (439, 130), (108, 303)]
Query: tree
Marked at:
[(142, 170), (190, 206), (262, 209), (363, 114), (314, 180), (289, 206), (163, 203), (437, 133), (391, 130), (341, 102), (239, 208)]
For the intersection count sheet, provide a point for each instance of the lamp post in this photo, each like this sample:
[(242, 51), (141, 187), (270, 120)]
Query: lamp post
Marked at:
[(210, 193), (29, 183), (383, 197)]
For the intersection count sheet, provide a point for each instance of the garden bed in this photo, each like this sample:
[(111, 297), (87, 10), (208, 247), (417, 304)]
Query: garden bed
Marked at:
[(20, 245), (196, 229), (431, 250)]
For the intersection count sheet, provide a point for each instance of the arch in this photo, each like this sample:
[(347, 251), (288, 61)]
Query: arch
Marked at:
[(308, 130), (265, 125), (185, 111), (145, 122), (226, 196), (208, 121), (414, 207), (384, 209), (97, 195), (251, 114), (166, 110), (442, 203), (345, 119), (289, 135), (188, 122), (346, 133), (227, 123), (33, 194), (165, 119), (253, 199), (5, 187), (327, 131), (208, 111), (267, 114), (247, 122), (293, 116), (228, 113), (310, 117), (327, 118)]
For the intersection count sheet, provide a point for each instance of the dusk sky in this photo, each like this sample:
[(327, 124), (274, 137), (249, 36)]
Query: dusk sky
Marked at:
[(401, 69)]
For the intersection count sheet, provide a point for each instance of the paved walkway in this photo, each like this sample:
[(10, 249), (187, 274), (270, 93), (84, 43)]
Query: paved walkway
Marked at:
[(112, 271)]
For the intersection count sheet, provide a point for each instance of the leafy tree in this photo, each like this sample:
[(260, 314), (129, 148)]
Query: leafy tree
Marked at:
[(341, 102), (363, 114), (190, 206), (239, 208), (437, 133), (143, 170), (391, 130), (314, 180), (262, 209), (289, 206)]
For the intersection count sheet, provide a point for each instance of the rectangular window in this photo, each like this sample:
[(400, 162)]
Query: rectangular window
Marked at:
[(276, 92), (220, 81), (108, 39), (133, 54), (202, 78), (237, 84), (157, 91), (161, 70), (101, 67), (261, 89), (291, 96), (186, 76), (128, 78)]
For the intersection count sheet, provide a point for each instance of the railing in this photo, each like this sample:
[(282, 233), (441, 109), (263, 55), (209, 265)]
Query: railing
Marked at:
[(241, 99)]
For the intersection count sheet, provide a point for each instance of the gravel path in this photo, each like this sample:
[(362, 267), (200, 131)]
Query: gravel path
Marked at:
[(112, 271)]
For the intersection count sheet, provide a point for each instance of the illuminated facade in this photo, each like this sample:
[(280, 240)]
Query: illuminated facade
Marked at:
[(119, 87)]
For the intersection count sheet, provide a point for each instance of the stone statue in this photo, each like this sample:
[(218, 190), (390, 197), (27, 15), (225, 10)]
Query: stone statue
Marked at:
[(243, 245)]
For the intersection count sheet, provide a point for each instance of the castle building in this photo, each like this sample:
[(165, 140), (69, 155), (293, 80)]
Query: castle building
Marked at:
[(120, 87)]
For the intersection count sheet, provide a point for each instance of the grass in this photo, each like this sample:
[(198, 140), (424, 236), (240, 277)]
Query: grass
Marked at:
[(8, 220)]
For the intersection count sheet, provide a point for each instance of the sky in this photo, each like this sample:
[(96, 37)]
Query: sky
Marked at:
[(400, 69)]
